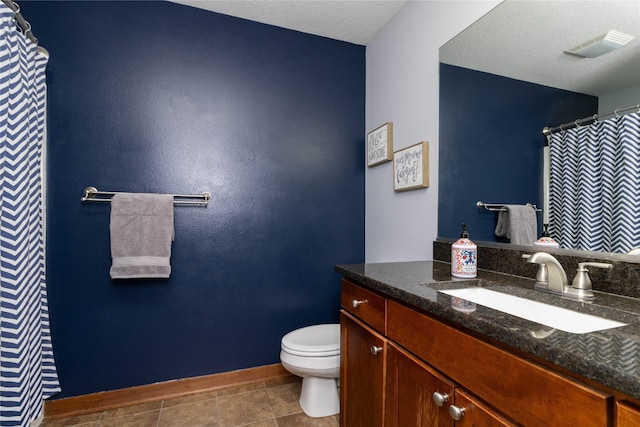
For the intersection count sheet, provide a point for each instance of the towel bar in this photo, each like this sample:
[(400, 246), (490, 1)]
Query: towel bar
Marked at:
[(91, 194), (497, 207)]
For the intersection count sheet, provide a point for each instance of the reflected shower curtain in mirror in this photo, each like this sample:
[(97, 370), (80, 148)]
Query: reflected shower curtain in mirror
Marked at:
[(595, 185), (27, 370)]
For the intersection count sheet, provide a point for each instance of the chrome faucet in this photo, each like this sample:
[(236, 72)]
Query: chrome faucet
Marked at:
[(551, 276)]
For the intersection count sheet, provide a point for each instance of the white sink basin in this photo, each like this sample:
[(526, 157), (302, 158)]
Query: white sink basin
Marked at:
[(545, 314)]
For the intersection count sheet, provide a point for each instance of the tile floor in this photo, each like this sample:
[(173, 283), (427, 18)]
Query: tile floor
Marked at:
[(259, 404)]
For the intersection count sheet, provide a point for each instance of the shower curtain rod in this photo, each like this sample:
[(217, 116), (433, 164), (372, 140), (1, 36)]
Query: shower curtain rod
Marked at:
[(22, 23), (580, 122)]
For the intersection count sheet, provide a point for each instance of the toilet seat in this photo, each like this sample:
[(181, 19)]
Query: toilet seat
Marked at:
[(313, 341)]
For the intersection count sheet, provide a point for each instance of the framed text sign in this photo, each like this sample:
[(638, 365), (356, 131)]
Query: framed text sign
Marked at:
[(380, 145), (411, 167)]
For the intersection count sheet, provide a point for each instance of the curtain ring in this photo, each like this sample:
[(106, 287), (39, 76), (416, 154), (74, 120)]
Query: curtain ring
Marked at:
[(595, 118), (616, 112), (638, 108), (577, 123)]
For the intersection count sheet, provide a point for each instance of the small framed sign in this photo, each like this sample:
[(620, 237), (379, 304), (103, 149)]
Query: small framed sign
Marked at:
[(380, 145), (411, 167)]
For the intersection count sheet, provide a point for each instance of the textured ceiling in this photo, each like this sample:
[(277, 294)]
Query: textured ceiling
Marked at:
[(351, 21), (521, 39), (526, 40)]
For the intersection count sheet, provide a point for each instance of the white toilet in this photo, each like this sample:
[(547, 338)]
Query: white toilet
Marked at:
[(313, 353)]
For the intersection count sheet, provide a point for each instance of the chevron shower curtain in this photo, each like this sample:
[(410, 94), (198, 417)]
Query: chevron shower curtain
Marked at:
[(595, 185), (27, 370)]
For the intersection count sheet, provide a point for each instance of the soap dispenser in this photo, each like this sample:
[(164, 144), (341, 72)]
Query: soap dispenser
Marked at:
[(546, 241), (464, 256)]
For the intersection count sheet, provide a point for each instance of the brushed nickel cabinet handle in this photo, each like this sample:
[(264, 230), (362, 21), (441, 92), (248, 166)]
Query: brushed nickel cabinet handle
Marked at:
[(456, 412), (440, 398), (375, 350), (357, 303)]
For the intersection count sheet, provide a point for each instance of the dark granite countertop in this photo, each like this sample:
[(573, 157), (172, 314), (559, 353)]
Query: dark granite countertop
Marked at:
[(610, 357)]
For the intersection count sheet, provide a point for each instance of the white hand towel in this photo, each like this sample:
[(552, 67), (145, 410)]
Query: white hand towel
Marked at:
[(519, 224), (141, 234)]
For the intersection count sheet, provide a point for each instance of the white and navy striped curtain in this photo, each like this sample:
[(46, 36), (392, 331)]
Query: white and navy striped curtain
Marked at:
[(27, 370), (595, 185)]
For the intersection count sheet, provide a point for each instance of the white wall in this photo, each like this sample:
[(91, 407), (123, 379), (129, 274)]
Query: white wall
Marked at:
[(623, 98), (403, 88)]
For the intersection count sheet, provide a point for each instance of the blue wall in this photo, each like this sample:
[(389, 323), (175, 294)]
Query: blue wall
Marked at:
[(159, 97), (491, 144)]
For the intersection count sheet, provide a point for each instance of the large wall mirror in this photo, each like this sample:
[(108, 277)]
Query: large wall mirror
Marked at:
[(503, 80)]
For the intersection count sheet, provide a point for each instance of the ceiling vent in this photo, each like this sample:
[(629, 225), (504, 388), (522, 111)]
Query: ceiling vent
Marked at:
[(601, 45)]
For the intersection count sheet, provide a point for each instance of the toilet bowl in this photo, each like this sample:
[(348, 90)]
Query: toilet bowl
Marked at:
[(313, 353)]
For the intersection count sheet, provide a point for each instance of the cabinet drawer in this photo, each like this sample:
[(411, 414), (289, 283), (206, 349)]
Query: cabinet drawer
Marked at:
[(525, 391), (364, 304)]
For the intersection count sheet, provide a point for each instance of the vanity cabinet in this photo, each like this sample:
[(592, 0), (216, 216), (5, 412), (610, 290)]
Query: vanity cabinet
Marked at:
[(367, 306), (362, 353), (409, 392), (409, 397), (525, 391), (390, 372), (628, 415), (477, 413), (362, 357)]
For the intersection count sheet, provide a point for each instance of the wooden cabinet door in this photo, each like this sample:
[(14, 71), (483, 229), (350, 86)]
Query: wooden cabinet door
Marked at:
[(627, 415), (527, 392), (409, 393), (477, 414), (362, 360)]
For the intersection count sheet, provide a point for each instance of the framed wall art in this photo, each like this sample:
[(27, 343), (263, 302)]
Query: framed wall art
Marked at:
[(380, 145), (411, 167)]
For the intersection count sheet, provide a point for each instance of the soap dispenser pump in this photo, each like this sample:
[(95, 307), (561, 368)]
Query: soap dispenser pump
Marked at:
[(464, 256), (546, 240)]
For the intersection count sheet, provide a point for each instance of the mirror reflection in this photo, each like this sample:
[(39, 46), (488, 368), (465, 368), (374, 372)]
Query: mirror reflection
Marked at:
[(507, 77)]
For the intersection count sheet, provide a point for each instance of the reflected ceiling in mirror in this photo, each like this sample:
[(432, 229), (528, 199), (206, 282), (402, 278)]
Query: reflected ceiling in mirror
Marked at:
[(527, 40)]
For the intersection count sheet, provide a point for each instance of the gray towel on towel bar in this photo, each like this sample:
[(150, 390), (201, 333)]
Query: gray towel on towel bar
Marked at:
[(519, 224), (141, 233)]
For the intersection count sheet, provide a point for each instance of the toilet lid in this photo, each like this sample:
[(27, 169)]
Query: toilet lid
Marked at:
[(317, 340)]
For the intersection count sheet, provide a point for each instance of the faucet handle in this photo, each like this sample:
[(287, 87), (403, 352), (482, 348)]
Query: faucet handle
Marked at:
[(582, 280), (582, 265)]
